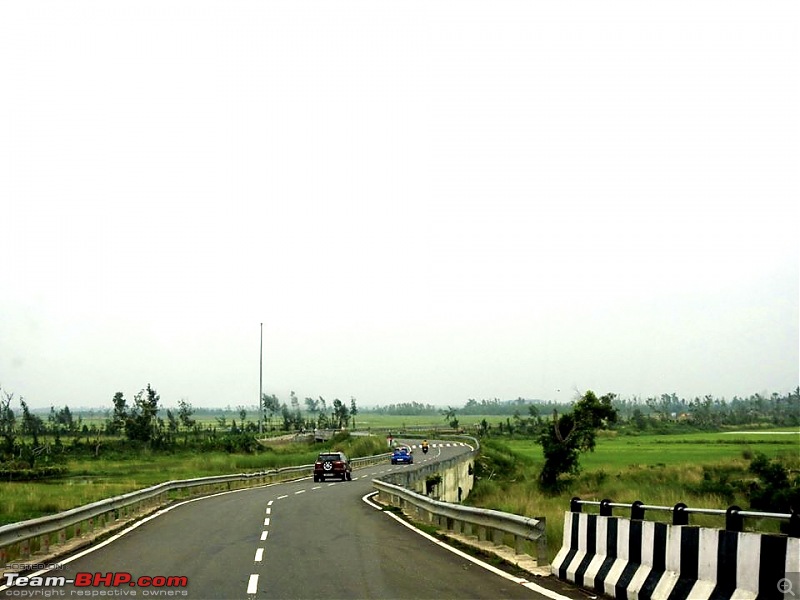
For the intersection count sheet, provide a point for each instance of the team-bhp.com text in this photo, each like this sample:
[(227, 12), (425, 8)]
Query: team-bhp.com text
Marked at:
[(96, 584)]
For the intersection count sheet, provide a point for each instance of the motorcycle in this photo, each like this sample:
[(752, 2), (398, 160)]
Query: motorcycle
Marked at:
[(425, 448)]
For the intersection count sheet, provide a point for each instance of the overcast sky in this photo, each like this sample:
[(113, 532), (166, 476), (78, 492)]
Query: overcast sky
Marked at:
[(421, 201)]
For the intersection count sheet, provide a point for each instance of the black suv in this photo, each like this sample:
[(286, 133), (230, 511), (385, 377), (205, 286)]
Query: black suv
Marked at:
[(332, 464)]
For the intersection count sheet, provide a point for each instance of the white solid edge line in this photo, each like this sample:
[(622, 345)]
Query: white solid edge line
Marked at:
[(524, 582)]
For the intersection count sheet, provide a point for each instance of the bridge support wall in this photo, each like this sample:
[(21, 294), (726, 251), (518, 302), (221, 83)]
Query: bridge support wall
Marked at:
[(450, 480)]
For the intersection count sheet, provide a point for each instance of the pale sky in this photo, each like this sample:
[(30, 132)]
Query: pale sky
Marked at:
[(421, 201)]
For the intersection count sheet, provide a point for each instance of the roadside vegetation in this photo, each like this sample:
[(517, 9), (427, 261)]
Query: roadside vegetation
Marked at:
[(706, 470), (536, 455)]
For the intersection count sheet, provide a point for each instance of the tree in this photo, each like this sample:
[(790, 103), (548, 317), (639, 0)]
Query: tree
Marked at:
[(571, 434), (31, 424), (450, 416), (185, 412), (141, 424), (312, 407), (120, 414), (297, 416), (353, 410), (64, 418), (272, 406), (341, 415), (242, 415), (7, 422)]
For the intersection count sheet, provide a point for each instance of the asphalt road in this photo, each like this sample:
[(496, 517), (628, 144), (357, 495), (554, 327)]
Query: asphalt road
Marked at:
[(297, 539)]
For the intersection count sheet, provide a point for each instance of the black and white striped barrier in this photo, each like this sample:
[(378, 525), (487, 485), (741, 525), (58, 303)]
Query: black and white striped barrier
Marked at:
[(626, 558)]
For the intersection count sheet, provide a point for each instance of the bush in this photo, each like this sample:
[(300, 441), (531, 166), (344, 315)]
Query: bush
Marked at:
[(773, 492), (22, 472), (716, 482), (497, 460)]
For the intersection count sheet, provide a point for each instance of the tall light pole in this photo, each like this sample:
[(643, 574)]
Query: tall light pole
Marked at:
[(261, 382)]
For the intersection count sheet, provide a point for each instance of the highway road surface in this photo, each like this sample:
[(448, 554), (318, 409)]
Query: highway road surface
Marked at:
[(297, 539)]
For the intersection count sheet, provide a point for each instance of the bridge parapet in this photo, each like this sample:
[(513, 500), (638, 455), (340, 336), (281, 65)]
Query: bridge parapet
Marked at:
[(634, 558)]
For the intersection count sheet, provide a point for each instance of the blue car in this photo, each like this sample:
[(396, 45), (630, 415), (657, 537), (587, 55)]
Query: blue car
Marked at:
[(402, 455)]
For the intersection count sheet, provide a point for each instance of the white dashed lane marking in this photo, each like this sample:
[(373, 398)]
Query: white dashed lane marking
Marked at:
[(259, 555), (252, 585)]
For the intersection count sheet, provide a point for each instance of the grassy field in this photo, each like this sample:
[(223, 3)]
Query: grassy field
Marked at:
[(93, 479)]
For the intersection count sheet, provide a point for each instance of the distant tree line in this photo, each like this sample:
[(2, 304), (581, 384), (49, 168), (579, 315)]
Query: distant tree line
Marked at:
[(404, 409), (657, 412), (317, 413), (34, 446), (29, 439)]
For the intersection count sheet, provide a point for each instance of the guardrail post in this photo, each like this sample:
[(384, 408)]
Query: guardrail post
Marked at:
[(468, 530), (541, 546), (679, 514), (733, 520), (606, 508), (637, 512), (25, 548), (794, 524), (496, 536), (575, 505), (481, 533)]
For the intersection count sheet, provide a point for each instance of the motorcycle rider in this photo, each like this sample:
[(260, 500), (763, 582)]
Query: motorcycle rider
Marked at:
[(425, 446)]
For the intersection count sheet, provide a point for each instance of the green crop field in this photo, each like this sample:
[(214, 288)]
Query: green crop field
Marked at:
[(621, 451)]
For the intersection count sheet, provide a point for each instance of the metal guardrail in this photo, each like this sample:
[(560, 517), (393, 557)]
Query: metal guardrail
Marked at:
[(501, 529), (485, 524), (19, 540), (734, 515)]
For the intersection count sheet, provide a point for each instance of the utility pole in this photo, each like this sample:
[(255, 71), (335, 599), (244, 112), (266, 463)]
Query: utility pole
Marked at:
[(261, 382)]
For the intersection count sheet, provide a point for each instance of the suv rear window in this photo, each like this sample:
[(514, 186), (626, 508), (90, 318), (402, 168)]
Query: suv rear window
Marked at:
[(324, 457)]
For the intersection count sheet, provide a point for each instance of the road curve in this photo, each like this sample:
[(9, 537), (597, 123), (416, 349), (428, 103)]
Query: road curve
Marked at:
[(297, 539)]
